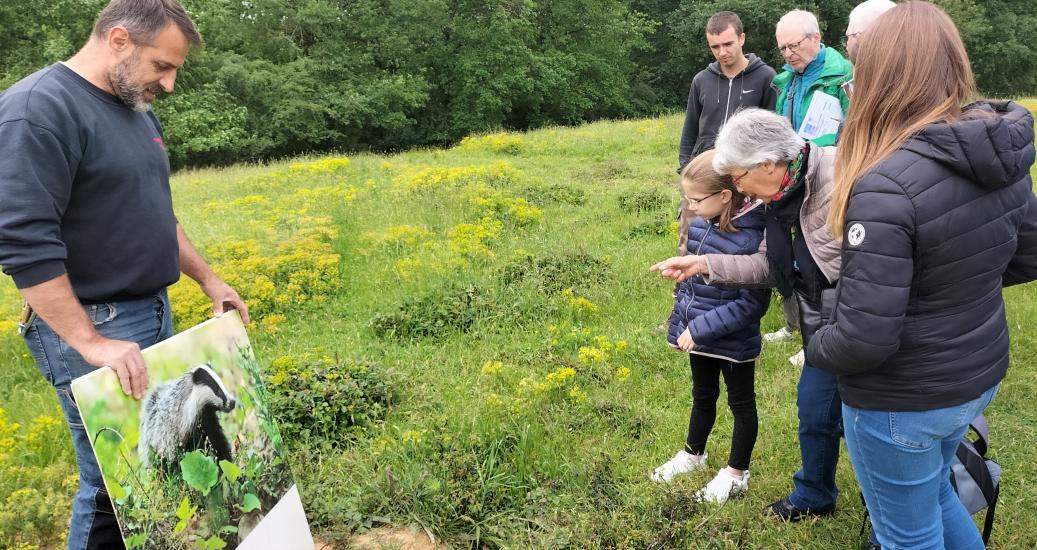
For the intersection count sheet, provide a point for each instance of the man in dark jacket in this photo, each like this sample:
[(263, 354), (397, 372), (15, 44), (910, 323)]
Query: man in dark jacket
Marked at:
[(87, 229), (732, 82)]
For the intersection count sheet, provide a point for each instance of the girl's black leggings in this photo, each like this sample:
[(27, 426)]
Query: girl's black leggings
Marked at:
[(741, 398)]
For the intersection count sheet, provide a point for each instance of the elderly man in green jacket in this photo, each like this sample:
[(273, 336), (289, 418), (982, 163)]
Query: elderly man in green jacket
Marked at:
[(810, 67)]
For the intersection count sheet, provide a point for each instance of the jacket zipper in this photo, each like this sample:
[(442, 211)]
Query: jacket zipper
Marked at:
[(790, 103), (727, 108), (691, 285)]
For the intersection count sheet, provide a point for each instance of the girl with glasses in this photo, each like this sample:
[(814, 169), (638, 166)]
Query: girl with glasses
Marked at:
[(718, 327)]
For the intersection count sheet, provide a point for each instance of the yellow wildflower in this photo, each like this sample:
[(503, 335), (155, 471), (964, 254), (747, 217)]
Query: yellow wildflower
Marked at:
[(492, 367)]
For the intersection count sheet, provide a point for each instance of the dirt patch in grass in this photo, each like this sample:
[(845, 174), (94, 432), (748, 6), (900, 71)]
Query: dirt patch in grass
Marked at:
[(388, 538)]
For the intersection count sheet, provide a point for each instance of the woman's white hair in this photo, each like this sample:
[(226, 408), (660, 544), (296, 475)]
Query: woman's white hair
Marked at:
[(804, 20), (752, 137), (866, 13)]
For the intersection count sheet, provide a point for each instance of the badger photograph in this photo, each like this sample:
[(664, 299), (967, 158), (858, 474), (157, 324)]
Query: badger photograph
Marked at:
[(198, 461), (181, 416)]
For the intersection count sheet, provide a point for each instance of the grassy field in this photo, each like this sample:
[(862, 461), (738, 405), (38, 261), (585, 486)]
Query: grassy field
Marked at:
[(463, 341)]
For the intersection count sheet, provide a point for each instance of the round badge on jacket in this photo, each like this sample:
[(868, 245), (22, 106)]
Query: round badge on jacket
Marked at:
[(856, 234)]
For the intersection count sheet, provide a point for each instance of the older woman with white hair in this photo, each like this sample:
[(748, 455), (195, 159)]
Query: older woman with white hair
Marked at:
[(860, 20), (769, 162)]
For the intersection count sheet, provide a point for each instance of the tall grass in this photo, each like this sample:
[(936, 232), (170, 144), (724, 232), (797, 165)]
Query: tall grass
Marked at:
[(505, 281)]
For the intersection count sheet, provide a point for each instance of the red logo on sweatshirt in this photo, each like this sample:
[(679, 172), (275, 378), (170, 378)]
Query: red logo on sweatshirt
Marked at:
[(160, 143)]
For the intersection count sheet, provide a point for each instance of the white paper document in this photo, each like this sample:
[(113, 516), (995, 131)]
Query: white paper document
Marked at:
[(823, 117)]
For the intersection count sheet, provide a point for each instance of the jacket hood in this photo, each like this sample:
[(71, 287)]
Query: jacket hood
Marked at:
[(992, 144), (754, 63), (749, 215)]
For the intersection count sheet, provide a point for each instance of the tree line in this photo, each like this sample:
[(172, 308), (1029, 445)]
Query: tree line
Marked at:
[(283, 77)]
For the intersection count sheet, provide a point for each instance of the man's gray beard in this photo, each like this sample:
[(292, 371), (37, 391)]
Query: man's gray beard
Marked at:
[(120, 78)]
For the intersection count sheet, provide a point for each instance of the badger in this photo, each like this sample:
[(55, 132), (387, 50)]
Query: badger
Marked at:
[(179, 416)]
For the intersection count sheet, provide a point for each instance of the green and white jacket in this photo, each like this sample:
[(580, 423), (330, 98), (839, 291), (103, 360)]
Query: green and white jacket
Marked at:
[(828, 74)]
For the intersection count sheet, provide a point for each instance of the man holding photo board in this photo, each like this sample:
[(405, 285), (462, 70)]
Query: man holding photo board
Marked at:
[(87, 229)]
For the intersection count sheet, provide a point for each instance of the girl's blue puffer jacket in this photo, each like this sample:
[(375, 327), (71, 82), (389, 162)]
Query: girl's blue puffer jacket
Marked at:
[(724, 322)]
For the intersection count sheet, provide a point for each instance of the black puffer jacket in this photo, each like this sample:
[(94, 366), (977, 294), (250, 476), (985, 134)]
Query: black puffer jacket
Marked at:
[(932, 234)]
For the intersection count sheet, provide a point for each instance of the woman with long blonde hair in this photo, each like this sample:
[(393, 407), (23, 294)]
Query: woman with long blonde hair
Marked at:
[(934, 203)]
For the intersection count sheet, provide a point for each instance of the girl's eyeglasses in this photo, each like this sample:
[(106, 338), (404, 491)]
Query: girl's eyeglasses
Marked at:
[(693, 203)]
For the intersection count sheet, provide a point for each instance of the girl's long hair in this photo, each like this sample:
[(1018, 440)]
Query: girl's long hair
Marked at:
[(700, 173), (912, 70)]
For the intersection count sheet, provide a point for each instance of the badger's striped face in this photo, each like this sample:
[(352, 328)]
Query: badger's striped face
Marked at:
[(210, 388)]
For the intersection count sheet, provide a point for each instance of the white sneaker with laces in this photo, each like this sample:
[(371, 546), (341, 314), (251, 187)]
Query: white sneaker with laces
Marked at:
[(798, 359), (723, 487), (682, 463), (779, 335)]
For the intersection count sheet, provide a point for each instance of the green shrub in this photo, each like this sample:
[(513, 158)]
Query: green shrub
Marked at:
[(647, 200), (554, 194), (37, 481), (452, 308), (610, 170), (556, 272), (329, 400), (658, 227)]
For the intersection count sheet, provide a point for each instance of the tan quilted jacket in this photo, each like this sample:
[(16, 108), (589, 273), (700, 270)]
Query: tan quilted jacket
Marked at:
[(752, 270)]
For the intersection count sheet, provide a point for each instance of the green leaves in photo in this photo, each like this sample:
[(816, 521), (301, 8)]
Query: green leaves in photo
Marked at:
[(117, 492), (136, 541), (250, 502), (231, 471), (199, 471), (213, 543), (184, 513)]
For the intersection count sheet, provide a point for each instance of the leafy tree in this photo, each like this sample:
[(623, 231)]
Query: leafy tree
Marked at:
[(282, 77)]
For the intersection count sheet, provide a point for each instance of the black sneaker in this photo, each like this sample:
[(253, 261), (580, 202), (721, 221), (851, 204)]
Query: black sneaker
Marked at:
[(785, 510)]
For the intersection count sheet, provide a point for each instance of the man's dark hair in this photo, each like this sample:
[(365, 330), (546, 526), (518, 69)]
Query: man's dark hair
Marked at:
[(144, 19), (721, 20)]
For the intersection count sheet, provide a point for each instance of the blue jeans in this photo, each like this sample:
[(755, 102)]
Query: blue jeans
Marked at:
[(903, 462), (144, 321), (820, 414)]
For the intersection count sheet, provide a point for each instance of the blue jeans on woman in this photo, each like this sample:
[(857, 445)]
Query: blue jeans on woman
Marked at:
[(820, 413), (145, 321), (903, 462)]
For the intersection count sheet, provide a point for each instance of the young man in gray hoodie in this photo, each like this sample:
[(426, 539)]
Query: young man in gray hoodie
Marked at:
[(734, 81)]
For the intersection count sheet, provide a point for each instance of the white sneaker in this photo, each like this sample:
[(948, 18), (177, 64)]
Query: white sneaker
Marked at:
[(723, 487), (682, 463), (779, 335), (798, 359)]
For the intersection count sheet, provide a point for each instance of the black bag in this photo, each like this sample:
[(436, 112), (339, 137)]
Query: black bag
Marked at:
[(975, 477), (813, 316)]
